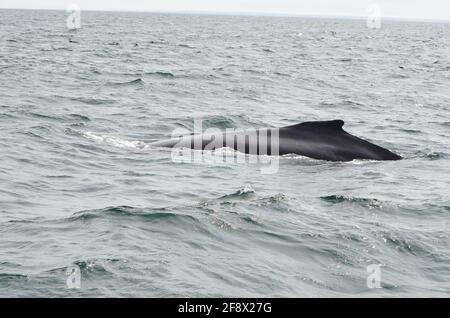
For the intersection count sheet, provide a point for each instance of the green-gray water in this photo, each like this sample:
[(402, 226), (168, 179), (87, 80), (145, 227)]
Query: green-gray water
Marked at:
[(79, 186)]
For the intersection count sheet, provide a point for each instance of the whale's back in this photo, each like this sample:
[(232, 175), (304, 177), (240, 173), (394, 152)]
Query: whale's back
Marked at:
[(326, 140)]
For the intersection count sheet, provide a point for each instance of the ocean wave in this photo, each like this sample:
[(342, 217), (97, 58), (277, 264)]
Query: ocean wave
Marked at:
[(141, 74), (435, 155), (151, 215), (365, 202), (251, 71), (92, 268), (161, 41), (138, 81), (247, 206), (403, 243), (89, 268), (245, 192), (186, 46), (79, 117), (272, 200), (432, 155), (44, 116), (282, 74), (221, 122), (91, 101), (64, 118), (160, 74), (6, 278), (412, 131)]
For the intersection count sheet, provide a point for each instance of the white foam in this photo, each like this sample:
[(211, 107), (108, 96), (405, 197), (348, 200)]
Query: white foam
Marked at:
[(247, 189), (361, 161), (114, 141)]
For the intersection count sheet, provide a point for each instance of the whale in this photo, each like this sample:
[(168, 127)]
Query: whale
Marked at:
[(321, 140)]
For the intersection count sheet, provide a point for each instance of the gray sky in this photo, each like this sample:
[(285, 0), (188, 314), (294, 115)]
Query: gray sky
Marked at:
[(422, 9)]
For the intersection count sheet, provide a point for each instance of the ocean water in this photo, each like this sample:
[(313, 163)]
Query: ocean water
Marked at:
[(80, 188)]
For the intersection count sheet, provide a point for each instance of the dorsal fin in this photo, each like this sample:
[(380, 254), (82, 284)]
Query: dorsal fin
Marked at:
[(330, 124)]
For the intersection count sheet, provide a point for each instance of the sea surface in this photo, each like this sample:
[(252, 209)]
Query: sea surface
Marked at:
[(81, 190)]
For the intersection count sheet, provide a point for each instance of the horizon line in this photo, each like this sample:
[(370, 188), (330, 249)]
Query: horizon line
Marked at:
[(251, 14)]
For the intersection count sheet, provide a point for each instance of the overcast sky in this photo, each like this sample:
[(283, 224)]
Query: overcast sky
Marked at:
[(423, 9)]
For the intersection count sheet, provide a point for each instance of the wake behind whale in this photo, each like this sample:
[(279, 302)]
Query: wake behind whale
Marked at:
[(322, 140)]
